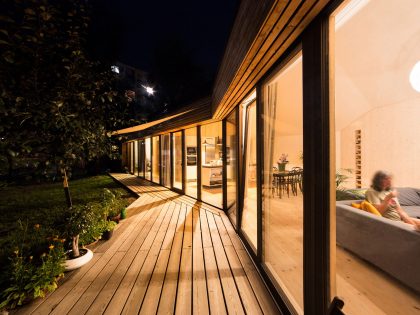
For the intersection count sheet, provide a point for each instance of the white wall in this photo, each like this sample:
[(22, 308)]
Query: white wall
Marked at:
[(390, 141)]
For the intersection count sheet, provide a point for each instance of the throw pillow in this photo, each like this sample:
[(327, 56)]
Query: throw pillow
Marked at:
[(368, 207), (356, 205)]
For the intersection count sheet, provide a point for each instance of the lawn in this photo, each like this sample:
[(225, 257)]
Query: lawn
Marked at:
[(44, 203)]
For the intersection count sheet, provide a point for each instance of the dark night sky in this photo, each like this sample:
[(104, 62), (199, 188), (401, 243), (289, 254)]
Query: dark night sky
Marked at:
[(130, 30)]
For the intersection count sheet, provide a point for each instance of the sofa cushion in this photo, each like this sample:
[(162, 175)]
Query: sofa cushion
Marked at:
[(412, 211), (408, 196)]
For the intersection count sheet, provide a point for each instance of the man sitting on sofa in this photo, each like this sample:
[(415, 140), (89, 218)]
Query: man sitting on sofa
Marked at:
[(385, 200)]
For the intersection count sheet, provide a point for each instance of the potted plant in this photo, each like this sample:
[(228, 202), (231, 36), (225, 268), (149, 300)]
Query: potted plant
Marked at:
[(78, 220), (108, 229), (282, 161)]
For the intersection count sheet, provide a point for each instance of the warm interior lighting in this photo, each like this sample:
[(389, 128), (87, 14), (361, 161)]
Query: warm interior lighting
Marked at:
[(415, 77), (149, 90)]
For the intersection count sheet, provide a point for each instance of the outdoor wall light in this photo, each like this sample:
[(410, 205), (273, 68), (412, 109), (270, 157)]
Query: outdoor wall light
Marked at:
[(149, 90), (115, 69), (415, 77)]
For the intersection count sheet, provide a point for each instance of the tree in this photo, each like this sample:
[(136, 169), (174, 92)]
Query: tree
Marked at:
[(56, 103)]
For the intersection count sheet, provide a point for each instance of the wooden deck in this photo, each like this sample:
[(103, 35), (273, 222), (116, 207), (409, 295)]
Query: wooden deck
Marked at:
[(172, 255)]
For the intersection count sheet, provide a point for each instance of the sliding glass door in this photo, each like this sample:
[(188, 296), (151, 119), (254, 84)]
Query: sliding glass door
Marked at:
[(249, 208)]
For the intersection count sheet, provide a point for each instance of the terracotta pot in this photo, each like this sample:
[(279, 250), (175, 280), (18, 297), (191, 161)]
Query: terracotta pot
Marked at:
[(85, 256)]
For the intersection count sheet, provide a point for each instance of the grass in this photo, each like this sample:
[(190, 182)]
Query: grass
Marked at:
[(44, 203)]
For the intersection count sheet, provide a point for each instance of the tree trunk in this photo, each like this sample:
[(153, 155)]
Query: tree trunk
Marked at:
[(75, 246), (10, 169)]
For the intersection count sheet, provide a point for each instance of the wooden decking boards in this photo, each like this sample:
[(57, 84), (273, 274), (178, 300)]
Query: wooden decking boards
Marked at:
[(172, 255)]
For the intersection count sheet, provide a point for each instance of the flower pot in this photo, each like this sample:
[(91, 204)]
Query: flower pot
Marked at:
[(74, 263), (107, 235), (116, 218), (281, 166)]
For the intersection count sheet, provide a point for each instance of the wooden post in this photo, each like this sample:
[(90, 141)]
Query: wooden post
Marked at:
[(66, 189)]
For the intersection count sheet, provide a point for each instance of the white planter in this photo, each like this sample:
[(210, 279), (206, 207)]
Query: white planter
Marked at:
[(71, 264)]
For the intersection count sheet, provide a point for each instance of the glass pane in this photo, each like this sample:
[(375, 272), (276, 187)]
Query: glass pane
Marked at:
[(212, 164), (282, 187), (155, 159), (136, 158), (231, 165), (249, 212), (141, 158), (177, 159), (376, 51), (191, 161), (166, 161), (148, 159)]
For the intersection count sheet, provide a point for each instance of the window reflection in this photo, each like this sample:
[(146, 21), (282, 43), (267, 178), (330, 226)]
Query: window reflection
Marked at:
[(282, 193), (177, 159), (148, 159), (191, 161), (231, 165), (166, 161), (212, 164), (249, 212), (155, 160)]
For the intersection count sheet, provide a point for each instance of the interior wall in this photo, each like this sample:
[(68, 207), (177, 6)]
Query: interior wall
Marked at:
[(390, 141)]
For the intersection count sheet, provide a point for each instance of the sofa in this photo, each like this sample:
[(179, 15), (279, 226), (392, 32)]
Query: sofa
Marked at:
[(392, 246)]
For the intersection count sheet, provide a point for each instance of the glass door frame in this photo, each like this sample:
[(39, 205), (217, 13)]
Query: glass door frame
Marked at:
[(243, 143), (172, 150), (234, 111)]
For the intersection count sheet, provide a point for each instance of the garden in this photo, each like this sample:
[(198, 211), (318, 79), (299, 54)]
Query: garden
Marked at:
[(38, 231)]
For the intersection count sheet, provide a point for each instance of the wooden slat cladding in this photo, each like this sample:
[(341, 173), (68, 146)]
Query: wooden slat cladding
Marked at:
[(283, 25), (201, 111), (251, 15)]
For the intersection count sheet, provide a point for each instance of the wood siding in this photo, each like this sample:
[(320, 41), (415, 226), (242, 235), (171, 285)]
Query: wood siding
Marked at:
[(284, 22)]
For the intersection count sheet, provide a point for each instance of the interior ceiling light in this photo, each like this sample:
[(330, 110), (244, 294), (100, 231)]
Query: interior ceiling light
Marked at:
[(415, 77)]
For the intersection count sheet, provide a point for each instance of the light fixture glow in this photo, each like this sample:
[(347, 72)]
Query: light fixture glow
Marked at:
[(149, 90), (115, 69), (415, 77)]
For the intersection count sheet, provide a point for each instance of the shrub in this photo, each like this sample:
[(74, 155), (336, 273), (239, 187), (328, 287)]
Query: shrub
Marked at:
[(78, 221), (36, 265)]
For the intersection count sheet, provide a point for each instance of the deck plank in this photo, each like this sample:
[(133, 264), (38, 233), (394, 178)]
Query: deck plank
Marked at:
[(174, 254), (199, 285), (168, 296), (232, 299)]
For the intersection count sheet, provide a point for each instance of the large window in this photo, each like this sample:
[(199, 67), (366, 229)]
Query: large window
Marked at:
[(136, 158), (376, 61), (248, 110), (166, 160), (191, 161), (141, 158), (148, 159), (156, 160), (231, 165), (177, 160), (212, 164), (282, 186)]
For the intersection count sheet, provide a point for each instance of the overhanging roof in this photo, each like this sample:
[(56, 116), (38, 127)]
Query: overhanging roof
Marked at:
[(149, 124), (191, 114)]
